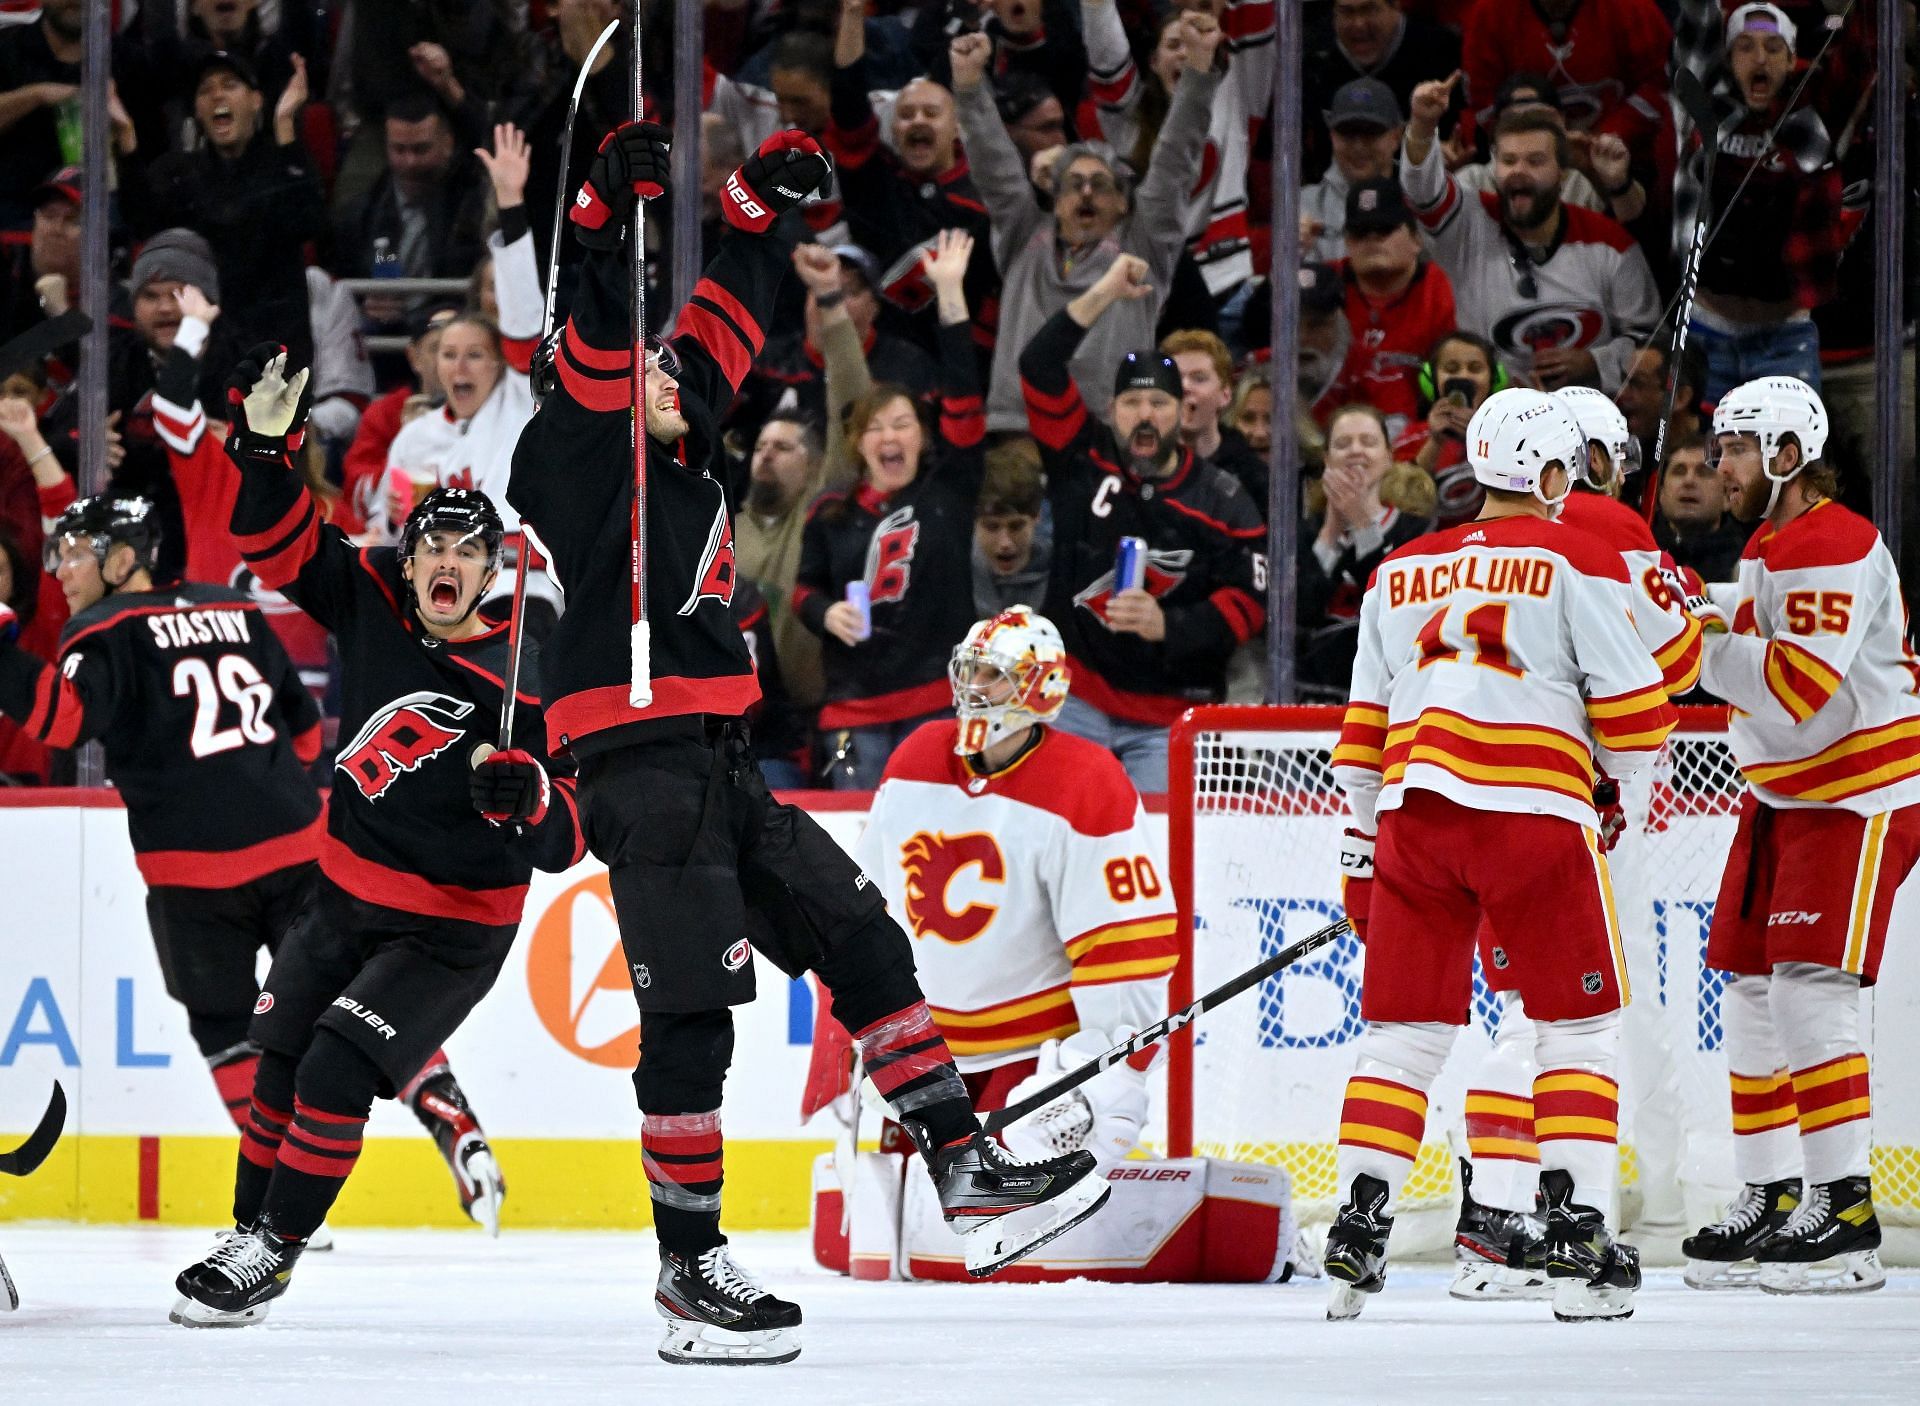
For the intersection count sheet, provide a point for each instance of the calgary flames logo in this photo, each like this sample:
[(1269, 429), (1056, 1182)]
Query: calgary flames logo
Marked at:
[(932, 861)]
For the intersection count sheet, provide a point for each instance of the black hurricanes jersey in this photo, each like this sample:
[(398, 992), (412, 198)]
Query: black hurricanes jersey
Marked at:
[(914, 549), (206, 727), (401, 829), (1205, 560), (573, 482)]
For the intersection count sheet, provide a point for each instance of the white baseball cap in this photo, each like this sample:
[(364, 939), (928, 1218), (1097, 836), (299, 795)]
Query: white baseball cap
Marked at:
[(1761, 19)]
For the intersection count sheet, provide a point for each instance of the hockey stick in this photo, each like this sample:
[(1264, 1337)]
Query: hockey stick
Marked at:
[(564, 196), (30, 1154), (1693, 97), (42, 340), (1159, 1031), (640, 642)]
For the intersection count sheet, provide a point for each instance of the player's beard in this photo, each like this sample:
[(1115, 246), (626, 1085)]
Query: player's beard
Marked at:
[(1147, 452), (664, 425)]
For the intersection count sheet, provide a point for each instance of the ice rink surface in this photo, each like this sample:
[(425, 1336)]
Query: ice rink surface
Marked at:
[(435, 1316)]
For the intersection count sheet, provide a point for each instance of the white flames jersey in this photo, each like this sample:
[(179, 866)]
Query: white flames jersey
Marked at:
[(1037, 901), (1826, 693), (1670, 634), (1498, 661)]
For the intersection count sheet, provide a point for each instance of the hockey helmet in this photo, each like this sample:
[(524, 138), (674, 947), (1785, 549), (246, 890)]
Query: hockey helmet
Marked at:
[(1516, 435), (1601, 422), (466, 511), (1009, 673), (99, 525), (1772, 408)]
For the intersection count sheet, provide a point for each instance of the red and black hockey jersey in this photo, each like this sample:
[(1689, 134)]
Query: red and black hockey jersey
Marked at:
[(206, 727), (1204, 560), (401, 829), (914, 549), (573, 481)]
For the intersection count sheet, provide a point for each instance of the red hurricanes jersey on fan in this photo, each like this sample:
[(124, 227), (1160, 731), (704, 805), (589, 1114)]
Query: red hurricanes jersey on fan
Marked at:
[(1826, 693), (1610, 66), (1037, 900), (1671, 636), (1497, 663), (1389, 341)]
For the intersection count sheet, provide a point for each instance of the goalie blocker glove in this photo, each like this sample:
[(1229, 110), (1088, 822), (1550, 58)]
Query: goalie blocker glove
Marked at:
[(266, 408), (788, 168), (634, 160), (511, 787)]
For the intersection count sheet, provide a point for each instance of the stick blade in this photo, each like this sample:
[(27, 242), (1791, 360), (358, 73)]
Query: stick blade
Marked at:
[(25, 1158), (1694, 101)]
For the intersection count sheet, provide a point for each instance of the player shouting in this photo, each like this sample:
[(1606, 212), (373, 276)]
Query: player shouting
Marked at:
[(1497, 664), (196, 704), (1826, 727), (703, 861), (429, 846)]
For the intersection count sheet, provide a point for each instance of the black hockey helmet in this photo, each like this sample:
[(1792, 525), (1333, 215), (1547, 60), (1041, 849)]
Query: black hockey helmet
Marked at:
[(103, 523), (467, 511)]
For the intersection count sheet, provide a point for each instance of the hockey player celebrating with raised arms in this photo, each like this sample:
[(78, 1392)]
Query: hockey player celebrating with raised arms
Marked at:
[(1826, 727), (704, 863), (1497, 665), (432, 836), (196, 704)]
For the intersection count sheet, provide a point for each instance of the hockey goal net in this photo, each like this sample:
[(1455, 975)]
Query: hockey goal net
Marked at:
[(1254, 824)]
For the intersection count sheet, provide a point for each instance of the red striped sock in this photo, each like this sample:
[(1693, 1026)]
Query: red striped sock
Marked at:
[(316, 1157), (233, 1077), (1576, 1120), (684, 1155), (1380, 1127), (1835, 1107), (907, 1058)]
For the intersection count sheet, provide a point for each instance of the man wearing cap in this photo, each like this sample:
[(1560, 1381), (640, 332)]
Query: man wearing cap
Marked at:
[(1398, 304), (1141, 654), (39, 104), (1349, 39), (1048, 258), (43, 280), (1365, 125), (251, 192), (1778, 254)]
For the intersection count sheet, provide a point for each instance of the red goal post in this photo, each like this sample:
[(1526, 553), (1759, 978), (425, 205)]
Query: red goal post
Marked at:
[(1254, 823)]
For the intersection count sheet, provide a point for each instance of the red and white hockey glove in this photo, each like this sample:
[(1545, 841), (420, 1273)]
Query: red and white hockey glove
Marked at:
[(634, 160), (787, 169), (1613, 817), (510, 787), (1356, 878), (9, 624), (267, 408)]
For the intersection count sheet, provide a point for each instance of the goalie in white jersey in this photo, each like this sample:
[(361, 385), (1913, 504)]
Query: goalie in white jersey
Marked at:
[(1809, 646), (1498, 667)]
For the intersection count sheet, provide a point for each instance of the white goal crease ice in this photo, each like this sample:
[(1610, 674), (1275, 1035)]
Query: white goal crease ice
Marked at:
[(1254, 825)]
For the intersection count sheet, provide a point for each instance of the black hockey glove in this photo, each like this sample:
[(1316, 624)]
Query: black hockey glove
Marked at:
[(267, 408), (510, 787), (788, 167), (633, 160)]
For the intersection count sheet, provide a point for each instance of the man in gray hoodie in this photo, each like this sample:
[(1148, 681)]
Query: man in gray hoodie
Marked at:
[(1047, 258)]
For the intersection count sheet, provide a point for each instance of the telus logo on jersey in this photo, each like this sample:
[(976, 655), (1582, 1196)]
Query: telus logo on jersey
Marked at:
[(403, 736), (932, 861), (890, 556), (714, 580), (1165, 571)]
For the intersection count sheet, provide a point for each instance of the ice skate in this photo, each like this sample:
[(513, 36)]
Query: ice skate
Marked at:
[(1720, 1256), (718, 1315), (1593, 1275), (442, 1108), (238, 1280), (1829, 1245), (1356, 1255), (1006, 1209), (321, 1241), (1497, 1254), (9, 1296)]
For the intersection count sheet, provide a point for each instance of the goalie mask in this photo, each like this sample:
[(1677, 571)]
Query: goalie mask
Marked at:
[(1008, 674)]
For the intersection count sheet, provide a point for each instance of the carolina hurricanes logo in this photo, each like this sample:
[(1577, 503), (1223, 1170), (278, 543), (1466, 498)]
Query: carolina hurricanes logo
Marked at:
[(932, 861), (403, 736), (271, 602), (890, 556), (1165, 572), (1538, 326), (714, 580)]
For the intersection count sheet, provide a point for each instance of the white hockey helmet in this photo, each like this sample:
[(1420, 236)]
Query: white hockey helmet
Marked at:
[(1771, 408), (1516, 434), (1009, 673), (1600, 421)]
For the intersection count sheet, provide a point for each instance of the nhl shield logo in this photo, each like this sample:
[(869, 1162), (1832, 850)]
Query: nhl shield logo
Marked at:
[(1500, 958), (1591, 983), (642, 978)]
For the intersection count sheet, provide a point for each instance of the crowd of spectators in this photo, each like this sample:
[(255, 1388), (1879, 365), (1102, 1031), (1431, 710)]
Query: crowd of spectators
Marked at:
[(1494, 192)]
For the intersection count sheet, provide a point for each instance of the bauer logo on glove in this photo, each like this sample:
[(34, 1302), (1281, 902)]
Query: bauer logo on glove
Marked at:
[(788, 169), (267, 408)]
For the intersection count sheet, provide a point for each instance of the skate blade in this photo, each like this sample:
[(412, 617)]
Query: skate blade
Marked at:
[(1477, 1280), (1714, 1275), (482, 1189), (190, 1313), (1344, 1302), (321, 1241), (1577, 1301), (1019, 1233), (1856, 1273), (9, 1296), (691, 1344)]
